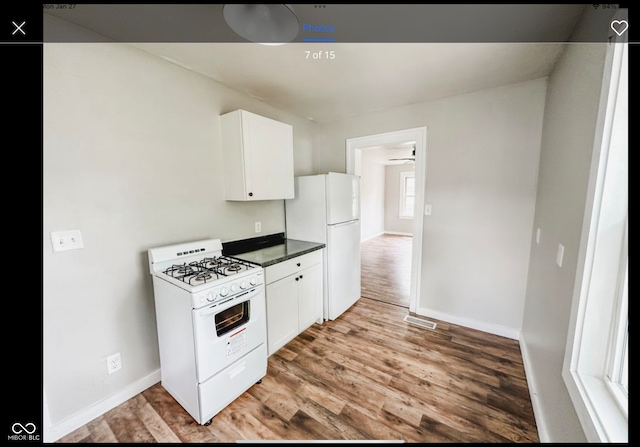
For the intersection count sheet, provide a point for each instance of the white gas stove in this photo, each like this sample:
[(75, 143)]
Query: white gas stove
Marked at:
[(201, 269), (211, 318)]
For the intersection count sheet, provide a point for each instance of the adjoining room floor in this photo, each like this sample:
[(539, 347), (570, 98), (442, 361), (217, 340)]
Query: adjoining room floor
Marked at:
[(386, 269)]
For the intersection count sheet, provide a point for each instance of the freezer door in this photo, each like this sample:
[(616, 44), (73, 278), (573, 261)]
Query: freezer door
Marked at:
[(306, 214), (343, 268), (343, 197)]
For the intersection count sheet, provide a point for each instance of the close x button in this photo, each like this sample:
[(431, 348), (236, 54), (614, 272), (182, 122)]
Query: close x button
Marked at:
[(21, 22), (19, 28)]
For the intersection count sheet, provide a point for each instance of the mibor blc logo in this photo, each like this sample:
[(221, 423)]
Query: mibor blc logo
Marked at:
[(23, 432)]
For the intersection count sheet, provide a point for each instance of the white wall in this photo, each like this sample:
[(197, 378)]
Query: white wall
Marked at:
[(371, 197), (482, 164), (132, 159), (392, 221), (567, 144)]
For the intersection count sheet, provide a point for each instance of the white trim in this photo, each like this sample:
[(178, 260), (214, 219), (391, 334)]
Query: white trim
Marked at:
[(538, 408), (495, 329), (52, 433), (419, 135), (605, 421), (620, 330), (398, 233), (372, 236), (46, 419)]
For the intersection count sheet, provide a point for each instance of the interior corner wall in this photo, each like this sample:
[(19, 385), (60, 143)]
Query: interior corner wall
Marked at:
[(571, 110)]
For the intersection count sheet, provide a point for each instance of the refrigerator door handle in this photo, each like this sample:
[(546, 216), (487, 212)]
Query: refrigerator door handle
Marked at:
[(344, 224)]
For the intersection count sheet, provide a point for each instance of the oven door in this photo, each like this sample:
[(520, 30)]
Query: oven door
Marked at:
[(229, 330)]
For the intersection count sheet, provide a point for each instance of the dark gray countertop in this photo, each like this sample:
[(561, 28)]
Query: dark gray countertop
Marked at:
[(278, 253)]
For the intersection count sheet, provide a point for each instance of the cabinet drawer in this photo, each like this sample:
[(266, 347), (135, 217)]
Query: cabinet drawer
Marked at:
[(290, 266)]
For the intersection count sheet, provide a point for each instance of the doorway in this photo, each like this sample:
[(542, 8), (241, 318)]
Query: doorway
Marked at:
[(417, 137)]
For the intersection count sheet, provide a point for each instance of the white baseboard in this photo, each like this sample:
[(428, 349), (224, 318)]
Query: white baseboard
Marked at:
[(54, 432), (543, 433), (372, 236), (398, 233), (473, 324)]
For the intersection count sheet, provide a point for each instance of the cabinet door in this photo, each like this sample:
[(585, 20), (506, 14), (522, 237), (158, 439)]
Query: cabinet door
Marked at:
[(268, 153), (282, 309), (309, 296)]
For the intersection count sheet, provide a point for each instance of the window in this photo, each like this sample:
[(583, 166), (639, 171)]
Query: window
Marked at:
[(595, 369), (618, 365), (407, 194)]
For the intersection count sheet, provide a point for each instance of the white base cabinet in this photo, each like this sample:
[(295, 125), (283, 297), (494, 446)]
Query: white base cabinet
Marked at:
[(258, 157), (294, 298)]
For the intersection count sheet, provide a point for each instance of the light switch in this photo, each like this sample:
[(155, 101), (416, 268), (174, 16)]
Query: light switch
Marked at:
[(560, 255), (427, 210), (538, 236), (66, 240)]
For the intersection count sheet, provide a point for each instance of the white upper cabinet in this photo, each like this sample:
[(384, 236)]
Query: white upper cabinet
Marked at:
[(258, 157)]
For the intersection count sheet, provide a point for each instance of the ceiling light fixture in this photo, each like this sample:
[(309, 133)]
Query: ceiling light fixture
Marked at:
[(265, 24)]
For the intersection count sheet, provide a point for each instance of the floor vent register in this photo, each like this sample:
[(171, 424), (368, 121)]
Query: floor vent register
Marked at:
[(420, 322)]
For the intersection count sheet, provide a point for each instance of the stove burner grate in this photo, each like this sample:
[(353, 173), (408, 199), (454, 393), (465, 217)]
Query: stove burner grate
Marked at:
[(179, 270), (207, 269), (211, 263), (204, 276)]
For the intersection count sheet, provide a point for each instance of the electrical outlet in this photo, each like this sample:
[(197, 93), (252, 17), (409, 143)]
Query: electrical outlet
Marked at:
[(114, 363), (258, 227)]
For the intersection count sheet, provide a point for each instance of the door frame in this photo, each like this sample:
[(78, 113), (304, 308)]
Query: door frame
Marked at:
[(419, 135)]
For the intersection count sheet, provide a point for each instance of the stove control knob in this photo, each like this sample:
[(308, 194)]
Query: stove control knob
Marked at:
[(224, 291), (234, 287), (212, 296), (243, 285), (253, 281)]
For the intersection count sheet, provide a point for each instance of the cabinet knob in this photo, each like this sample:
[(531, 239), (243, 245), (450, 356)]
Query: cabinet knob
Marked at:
[(250, 194), (297, 278), (300, 276), (298, 264)]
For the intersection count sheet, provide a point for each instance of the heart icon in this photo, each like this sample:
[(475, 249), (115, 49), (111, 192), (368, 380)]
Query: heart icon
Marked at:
[(619, 26)]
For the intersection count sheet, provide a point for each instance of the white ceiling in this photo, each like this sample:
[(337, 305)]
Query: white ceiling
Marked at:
[(363, 77)]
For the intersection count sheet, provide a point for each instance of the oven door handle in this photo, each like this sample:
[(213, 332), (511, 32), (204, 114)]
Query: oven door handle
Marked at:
[(215, 307), (211, 309)]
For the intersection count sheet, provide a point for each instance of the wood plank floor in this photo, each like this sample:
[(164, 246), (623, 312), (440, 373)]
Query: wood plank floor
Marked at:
[(368, 375), (385, 266)]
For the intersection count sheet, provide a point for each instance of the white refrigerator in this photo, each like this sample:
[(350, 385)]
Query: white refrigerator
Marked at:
[(326, 209)]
